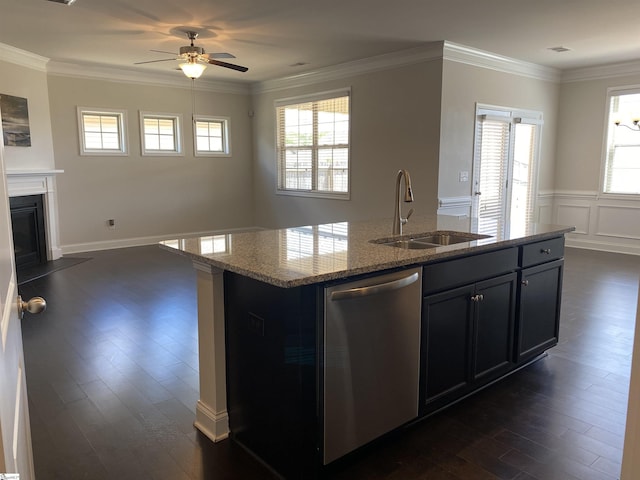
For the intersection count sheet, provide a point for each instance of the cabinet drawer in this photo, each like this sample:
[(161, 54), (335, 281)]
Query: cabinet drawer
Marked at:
[(462, 271), (540, 252)]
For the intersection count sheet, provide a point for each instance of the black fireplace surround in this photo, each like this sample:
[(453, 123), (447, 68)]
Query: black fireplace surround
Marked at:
[(29, 239)]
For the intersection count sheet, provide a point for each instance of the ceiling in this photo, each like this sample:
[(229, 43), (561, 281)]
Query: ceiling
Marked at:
[(279, 38)]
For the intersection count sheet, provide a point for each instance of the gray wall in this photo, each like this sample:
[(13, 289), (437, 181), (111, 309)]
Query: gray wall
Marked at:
[(31, 84), (603, 222), (581, 131), (147, 196), (462, 87), (395, 124)]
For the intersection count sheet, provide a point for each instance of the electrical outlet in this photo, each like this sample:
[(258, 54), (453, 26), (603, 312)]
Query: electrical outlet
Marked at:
[(111, 223)]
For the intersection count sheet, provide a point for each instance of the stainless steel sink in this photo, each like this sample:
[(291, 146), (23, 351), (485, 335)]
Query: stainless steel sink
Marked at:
[(430, 240), (408, 244)]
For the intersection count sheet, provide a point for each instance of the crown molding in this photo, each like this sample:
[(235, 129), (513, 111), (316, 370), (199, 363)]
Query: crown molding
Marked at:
[(600, 72), (424, 53), (23, 58), (95, 72), (479, 58)]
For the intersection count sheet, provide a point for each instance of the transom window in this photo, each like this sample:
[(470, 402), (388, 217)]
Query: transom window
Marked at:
[(102, 131), (313, 144), (622, 156), (212, 136), (161, 134)]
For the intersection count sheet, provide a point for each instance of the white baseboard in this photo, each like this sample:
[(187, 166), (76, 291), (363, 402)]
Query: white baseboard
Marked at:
[(214, 425), (602, 246), (140, 241)]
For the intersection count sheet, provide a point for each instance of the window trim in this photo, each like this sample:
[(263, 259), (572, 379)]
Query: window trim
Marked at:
[(313, 97), (177, 135), (226, 136), (613, 91), (122, 133)]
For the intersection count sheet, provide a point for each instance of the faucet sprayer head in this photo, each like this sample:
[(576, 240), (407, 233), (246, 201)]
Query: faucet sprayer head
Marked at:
[(408, 192)]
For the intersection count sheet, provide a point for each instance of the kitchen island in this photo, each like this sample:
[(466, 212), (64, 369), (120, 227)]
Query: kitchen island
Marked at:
[(280, 372)]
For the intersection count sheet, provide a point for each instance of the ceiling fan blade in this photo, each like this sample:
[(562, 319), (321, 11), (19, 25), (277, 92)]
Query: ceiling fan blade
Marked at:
[(162, 51), (221, 55), (154, 61), (227, 65)]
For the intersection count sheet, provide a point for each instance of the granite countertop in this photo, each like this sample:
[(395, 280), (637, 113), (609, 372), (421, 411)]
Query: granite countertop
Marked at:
[(304, 255)]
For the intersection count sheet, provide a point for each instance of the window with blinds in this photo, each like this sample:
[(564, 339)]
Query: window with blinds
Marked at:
[(492, 152), (506, 154), (622, 158), (102, 132), (312, 145)]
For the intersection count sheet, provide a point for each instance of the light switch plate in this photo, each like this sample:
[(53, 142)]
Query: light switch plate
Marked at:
[(463, 176)]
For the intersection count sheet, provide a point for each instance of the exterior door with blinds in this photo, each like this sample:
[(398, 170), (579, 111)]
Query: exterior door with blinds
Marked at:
[(505, 169)]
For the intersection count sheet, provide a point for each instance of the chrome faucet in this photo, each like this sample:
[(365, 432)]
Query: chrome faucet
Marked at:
[(398, 220)]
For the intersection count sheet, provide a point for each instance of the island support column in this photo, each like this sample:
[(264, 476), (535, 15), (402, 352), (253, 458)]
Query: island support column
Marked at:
[(212, 418)]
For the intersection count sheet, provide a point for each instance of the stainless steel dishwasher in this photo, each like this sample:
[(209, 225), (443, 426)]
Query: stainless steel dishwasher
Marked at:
[(371, 358)]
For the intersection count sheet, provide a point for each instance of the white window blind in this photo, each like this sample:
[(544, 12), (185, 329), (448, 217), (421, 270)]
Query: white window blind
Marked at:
[(622, 162), (313, 144), (493, 152)]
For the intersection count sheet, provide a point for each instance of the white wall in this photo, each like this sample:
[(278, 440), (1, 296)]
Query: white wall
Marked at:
[(29, 83), (395, 124), (149, 197), (465, 85), (603, 222)]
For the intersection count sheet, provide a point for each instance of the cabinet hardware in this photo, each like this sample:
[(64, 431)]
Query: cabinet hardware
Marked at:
[(477, 298), (525, 283), (546, 250)]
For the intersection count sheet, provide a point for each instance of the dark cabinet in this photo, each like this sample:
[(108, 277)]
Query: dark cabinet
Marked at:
[(539, 309), (467, 338), (446, 334), (495, 305)]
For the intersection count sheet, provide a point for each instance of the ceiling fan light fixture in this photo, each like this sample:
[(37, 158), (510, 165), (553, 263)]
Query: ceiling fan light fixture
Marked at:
[(193, 70)]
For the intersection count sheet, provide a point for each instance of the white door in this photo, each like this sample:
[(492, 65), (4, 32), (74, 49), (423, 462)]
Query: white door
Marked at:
[(15, 433), (506, 154)]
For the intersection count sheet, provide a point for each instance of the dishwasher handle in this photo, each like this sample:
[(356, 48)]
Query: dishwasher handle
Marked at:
[(374, 289)]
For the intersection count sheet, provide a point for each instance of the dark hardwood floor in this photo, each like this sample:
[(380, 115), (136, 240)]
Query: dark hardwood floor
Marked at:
[(112, 382)]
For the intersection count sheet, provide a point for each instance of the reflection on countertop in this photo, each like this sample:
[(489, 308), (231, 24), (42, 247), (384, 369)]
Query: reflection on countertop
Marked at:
[(291, 257)]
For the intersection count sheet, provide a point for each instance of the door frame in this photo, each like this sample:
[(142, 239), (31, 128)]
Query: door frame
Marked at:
[(512, 116)]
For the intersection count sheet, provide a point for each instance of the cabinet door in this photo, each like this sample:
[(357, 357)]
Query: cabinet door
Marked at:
[(539, 313), (446, 327), (494, 325)]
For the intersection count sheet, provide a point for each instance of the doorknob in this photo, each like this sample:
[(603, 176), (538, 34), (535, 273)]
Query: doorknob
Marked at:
[(35, 305)]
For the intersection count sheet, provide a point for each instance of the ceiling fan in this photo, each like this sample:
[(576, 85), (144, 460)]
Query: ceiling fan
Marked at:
[(195, 59)]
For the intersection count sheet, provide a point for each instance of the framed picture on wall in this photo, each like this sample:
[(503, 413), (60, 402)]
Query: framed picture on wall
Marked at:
[(15, 121)]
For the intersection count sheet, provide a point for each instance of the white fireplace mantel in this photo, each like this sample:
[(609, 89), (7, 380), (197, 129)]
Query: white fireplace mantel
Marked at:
[(40, 182)]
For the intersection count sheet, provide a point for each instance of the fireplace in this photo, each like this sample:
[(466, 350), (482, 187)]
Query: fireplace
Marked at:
[(29, 239), (24, 186)]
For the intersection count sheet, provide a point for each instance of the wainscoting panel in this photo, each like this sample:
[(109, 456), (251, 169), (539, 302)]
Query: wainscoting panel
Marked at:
[(575, 215), (618, 221), (610, 224)]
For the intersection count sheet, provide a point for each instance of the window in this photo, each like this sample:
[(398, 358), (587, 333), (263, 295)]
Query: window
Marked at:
[(622, 155), (212, 136), (313, 145), (102, 131), (161, 134), (505, 169)]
